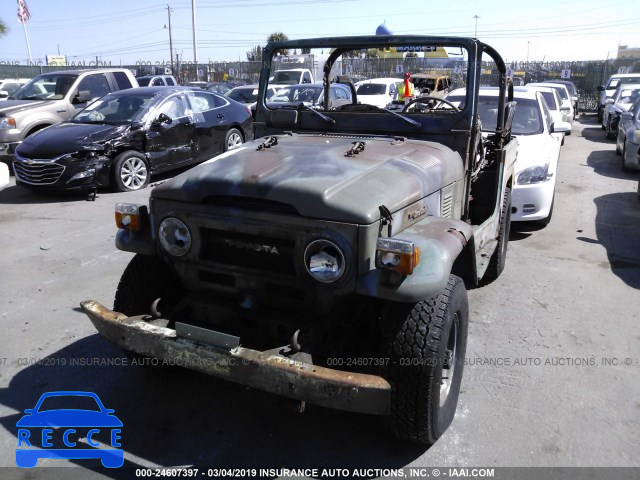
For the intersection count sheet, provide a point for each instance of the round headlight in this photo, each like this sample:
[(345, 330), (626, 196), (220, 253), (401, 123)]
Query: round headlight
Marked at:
[(324, 261), (174, 236)]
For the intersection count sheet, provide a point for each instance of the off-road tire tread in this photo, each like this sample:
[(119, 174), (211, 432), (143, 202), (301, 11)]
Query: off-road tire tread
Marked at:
[(145, 279), (417, 337)]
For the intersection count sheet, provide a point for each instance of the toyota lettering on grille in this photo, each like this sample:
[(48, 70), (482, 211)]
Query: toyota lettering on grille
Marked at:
[(256, 247)]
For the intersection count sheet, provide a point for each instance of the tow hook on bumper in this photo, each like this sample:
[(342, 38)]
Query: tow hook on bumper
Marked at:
[(269, 371)]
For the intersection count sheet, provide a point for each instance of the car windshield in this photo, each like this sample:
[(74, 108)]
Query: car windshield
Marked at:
[(527, 119), (615, 82), (562, 92), (46, 87), (286, 78), (297, 93), (628, 96), (372, 89), (243, 95), (116, 109), (551, 100), (69, 402)]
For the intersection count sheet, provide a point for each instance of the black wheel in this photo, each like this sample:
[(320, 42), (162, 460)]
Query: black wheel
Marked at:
[(609, 130), (624, 156), (426, 344), (130, 171), (499, 257), (145, 280), (233, 139)]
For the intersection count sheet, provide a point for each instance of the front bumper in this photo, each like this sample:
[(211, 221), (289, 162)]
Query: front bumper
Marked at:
[(532, 202), (631, 156), (62, 173), (272, 371), (7, 150)]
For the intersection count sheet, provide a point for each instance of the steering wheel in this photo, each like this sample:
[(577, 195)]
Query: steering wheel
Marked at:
[(429, 97)]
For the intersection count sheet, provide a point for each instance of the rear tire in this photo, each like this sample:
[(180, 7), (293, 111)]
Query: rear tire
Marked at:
[(427, 342), (233, 139), (624, 156), (499, 257)]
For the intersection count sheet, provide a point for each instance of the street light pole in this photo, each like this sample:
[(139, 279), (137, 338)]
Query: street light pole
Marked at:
[(170, 41), (193, 23), (475, 35)]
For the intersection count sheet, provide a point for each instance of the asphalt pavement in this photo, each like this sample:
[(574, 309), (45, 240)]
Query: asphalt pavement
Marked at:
[(552, 376)]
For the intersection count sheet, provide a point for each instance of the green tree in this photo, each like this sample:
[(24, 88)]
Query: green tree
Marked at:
[(278, 37), (255, 54), (3, 28)]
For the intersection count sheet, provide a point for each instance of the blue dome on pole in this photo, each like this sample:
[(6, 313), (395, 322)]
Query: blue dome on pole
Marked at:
[(383, 30)]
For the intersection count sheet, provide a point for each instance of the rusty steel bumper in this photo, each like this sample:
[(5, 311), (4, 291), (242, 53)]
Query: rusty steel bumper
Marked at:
[(269, 371)]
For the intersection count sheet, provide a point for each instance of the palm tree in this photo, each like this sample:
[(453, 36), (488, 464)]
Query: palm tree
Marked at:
[(278, 37)]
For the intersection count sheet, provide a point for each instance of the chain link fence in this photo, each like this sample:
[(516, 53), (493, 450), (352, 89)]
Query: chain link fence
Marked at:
[(587, 75)]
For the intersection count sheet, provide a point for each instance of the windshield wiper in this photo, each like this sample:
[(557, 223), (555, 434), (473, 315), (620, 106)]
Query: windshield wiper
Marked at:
[(330, 120), (406, 119)]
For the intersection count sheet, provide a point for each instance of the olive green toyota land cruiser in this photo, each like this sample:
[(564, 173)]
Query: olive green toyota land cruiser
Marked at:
[(328, 260)]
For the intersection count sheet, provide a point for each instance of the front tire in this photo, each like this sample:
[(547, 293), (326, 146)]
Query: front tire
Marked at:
[(233, 139), (427, 345), (130, 171), (146, 279)]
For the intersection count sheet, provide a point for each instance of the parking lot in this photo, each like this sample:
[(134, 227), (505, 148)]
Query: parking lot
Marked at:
[(552, 375)]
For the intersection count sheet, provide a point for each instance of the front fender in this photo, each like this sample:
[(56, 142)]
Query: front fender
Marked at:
[(135, 242), (440, 241)]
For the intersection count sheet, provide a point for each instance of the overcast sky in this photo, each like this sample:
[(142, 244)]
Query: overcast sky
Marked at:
[(126, 32)]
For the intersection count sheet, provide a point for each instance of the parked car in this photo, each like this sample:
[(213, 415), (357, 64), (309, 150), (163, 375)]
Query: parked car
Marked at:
[(566, 107), (216, 87), (538, 149), (125, 137), (628, 139), (9, 86), (573, 92), (248, 94), (344, 234), (621, 101), (607, 91), (157, 81), (52, 98), (431, 84), (311, 95), (553, 101), (377, 91)]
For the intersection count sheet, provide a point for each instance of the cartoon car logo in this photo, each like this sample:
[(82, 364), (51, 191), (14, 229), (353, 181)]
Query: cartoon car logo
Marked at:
[(47, 425)]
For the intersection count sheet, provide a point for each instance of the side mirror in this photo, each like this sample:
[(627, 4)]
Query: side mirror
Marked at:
[(82, 96), (601, 88), (560, 127), (608, 101), (162, 118)]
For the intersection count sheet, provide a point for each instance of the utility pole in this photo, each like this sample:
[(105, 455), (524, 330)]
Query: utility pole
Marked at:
[(528, 42), (475, 35), (195, 50), (170, 40)]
